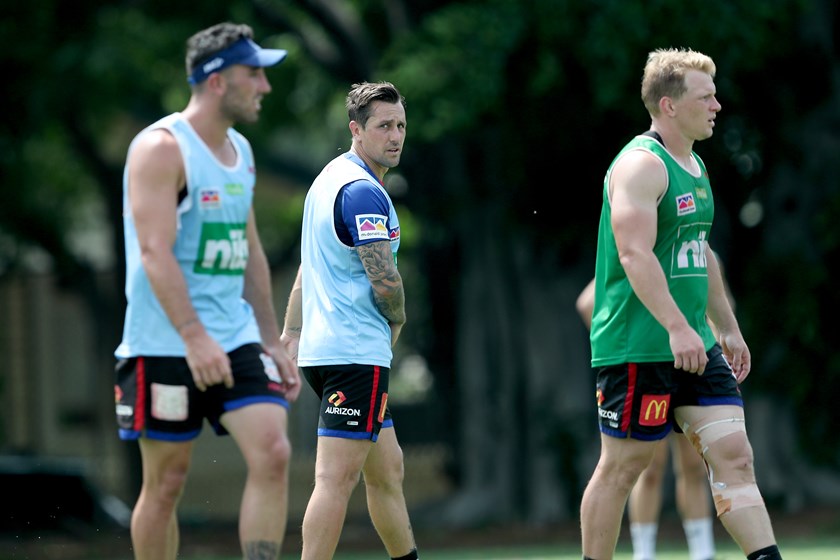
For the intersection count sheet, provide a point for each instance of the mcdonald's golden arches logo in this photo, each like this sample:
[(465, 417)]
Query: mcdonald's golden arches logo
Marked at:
[(654, 410)]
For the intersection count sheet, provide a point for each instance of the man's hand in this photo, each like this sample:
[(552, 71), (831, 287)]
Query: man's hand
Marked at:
[(737, 353), (689, 350), (286, 361), (208, 362)]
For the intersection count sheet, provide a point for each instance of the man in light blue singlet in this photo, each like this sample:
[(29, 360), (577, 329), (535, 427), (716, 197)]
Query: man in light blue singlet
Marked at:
[(200, 338), (345, 313)]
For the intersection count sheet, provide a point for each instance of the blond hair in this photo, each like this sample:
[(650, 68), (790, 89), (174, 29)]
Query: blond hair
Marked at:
[(664, 74)]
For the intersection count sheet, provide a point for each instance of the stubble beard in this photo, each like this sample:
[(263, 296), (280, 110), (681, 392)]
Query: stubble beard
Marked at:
[(237, 113)]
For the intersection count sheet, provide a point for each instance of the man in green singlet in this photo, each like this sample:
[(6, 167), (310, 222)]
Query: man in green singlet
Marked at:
[(659, 365)]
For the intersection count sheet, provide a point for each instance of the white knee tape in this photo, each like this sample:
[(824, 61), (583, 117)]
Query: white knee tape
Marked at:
[(712, 431), (731, 498)]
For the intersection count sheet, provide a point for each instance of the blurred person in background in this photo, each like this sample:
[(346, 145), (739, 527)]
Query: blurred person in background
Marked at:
[(201, 338)]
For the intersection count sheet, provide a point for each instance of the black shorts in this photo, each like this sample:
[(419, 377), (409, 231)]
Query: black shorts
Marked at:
[(637, 400), (354, 400), (157, 398)]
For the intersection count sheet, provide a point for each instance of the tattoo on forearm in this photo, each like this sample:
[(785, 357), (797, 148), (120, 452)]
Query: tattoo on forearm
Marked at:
[(384, 278), (392, 308), (261, 550)]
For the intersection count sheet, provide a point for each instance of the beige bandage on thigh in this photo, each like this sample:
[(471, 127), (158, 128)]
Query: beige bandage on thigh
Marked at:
[(711, 431), (727, 497)]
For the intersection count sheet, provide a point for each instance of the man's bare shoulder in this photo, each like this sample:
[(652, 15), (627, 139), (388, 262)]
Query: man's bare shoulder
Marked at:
[(640, 172), (155, 163), (158, 146)]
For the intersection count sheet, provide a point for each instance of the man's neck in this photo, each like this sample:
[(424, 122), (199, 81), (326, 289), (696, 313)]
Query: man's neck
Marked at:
[(208, 125), (377, 170), (675, 143)]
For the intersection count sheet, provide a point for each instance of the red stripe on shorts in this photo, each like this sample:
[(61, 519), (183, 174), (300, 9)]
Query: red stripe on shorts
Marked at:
[(372, 411), (627, 409), (140, 398)]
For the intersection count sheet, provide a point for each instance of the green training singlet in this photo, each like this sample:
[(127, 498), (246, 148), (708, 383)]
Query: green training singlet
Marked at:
[(623, 330)]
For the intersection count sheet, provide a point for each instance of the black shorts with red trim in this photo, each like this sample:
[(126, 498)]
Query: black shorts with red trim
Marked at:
[(637, 400), (354, 399), (156, 397)]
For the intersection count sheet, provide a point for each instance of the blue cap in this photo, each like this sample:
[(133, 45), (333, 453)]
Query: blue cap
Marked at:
[(244, 51)]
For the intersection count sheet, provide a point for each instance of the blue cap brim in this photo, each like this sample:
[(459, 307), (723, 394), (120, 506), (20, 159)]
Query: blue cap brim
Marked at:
[(264, 57)]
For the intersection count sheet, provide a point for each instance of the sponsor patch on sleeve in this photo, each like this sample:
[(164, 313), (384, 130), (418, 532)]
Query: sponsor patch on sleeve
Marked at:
[(371, 226)]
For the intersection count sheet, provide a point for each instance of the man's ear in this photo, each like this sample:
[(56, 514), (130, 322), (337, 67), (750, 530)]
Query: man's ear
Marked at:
[(666, 106), (216, 82)]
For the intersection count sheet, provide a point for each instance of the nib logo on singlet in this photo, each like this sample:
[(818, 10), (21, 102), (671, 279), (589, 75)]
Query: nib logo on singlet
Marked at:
[(689, 252), (223, 249), (692, 252)]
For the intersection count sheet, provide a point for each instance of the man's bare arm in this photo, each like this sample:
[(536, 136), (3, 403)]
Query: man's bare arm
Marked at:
[(385, 279), (156, 172)]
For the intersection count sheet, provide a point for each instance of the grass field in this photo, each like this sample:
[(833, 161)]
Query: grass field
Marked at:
[(811, 534), (799, 548), (798, 551), (804, 549), (828, 549), (791, 550)]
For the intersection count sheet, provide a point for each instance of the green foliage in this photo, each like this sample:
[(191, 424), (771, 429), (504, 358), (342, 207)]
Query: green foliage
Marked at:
[(458, 53), (542, 83), (794, 337)]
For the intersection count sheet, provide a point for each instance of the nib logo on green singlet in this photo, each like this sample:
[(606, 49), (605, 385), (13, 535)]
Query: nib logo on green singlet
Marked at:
[(690, 252), (223, 249)]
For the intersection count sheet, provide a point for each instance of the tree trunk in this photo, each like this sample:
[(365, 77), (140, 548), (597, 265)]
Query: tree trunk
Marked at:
[(527, 415)]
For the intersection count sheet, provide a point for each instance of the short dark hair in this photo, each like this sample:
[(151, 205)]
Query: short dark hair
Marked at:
[(207, 42), (363, 94)]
